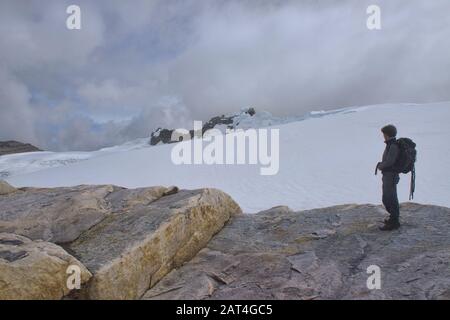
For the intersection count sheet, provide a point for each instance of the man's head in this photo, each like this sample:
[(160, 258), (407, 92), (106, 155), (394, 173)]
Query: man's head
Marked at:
[(389, 131)]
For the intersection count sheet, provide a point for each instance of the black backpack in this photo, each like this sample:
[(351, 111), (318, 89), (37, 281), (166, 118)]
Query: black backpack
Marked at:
[(406, 161)]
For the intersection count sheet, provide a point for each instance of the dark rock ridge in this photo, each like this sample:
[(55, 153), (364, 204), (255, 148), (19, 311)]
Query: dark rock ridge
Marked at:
[(164, 136), (11, 147)]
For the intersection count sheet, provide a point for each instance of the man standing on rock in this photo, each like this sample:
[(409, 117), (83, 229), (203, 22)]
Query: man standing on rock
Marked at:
[(390, 178)]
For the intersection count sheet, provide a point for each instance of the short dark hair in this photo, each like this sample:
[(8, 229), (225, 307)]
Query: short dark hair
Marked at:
[(389, 130)]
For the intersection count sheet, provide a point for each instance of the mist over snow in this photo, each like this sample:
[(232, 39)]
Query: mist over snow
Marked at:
[(137, 65), (335, 167)]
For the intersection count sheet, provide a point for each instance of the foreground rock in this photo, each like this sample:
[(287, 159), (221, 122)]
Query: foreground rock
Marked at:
[(319, 254), (6, 188), (163, 243), (34, 269), (60, 215), (130, 252), (10, 147), (127, 238)]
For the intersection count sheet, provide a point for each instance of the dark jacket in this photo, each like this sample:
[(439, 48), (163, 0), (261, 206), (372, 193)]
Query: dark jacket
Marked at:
[(390, 156)]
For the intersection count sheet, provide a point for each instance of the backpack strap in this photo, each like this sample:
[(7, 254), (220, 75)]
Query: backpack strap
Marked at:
[(413, 183)]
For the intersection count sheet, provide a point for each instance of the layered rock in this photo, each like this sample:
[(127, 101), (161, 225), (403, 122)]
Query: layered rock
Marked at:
[(127, 238), (57, 215), (131, 251), (35, 269), (319, 254), (61, 215), (163, 243)]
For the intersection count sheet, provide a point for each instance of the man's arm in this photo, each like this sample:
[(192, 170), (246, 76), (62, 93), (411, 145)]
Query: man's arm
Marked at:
[(391, 157)]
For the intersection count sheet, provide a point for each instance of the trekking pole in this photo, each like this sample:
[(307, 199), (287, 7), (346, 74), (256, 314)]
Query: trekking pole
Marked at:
[(376, 169)]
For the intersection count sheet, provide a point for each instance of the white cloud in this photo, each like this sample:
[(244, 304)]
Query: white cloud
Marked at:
[(209, 57)]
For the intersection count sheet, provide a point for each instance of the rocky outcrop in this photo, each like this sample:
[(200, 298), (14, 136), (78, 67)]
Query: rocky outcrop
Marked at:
[(319, 254), (10, 147), (6, 188), (128, 239), (35, 269), (130, 252), (61, 215), (165, 243), (56, 215), (164, 136)]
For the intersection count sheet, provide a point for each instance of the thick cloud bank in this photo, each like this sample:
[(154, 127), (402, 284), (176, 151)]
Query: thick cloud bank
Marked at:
[(136, 65)]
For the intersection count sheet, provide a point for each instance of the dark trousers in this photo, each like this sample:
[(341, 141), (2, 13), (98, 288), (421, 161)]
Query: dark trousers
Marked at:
[(390, 199)]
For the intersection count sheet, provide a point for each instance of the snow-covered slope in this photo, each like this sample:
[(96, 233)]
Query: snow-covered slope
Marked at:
[(11, 165), (326, 159), (20, 163)]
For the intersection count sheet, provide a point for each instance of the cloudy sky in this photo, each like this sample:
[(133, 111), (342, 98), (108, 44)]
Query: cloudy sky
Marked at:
[(136, 65)]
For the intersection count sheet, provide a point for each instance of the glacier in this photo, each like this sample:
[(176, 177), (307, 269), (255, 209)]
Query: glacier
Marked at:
[(326, 158)]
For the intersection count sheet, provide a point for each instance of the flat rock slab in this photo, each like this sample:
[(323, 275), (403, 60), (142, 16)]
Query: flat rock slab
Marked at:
[(135, 246), (35, 269), (319, 254), (127, 238), (60, 215)]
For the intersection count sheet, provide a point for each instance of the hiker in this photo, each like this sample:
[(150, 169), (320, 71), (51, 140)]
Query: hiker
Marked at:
[(390, 178), (399, 156)]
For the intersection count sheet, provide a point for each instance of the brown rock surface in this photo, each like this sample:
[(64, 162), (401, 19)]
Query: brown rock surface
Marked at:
[(130, 251), (34, 269), (128, 238)]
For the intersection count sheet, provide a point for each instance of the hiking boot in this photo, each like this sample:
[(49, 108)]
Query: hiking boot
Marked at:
[(390, 225)]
